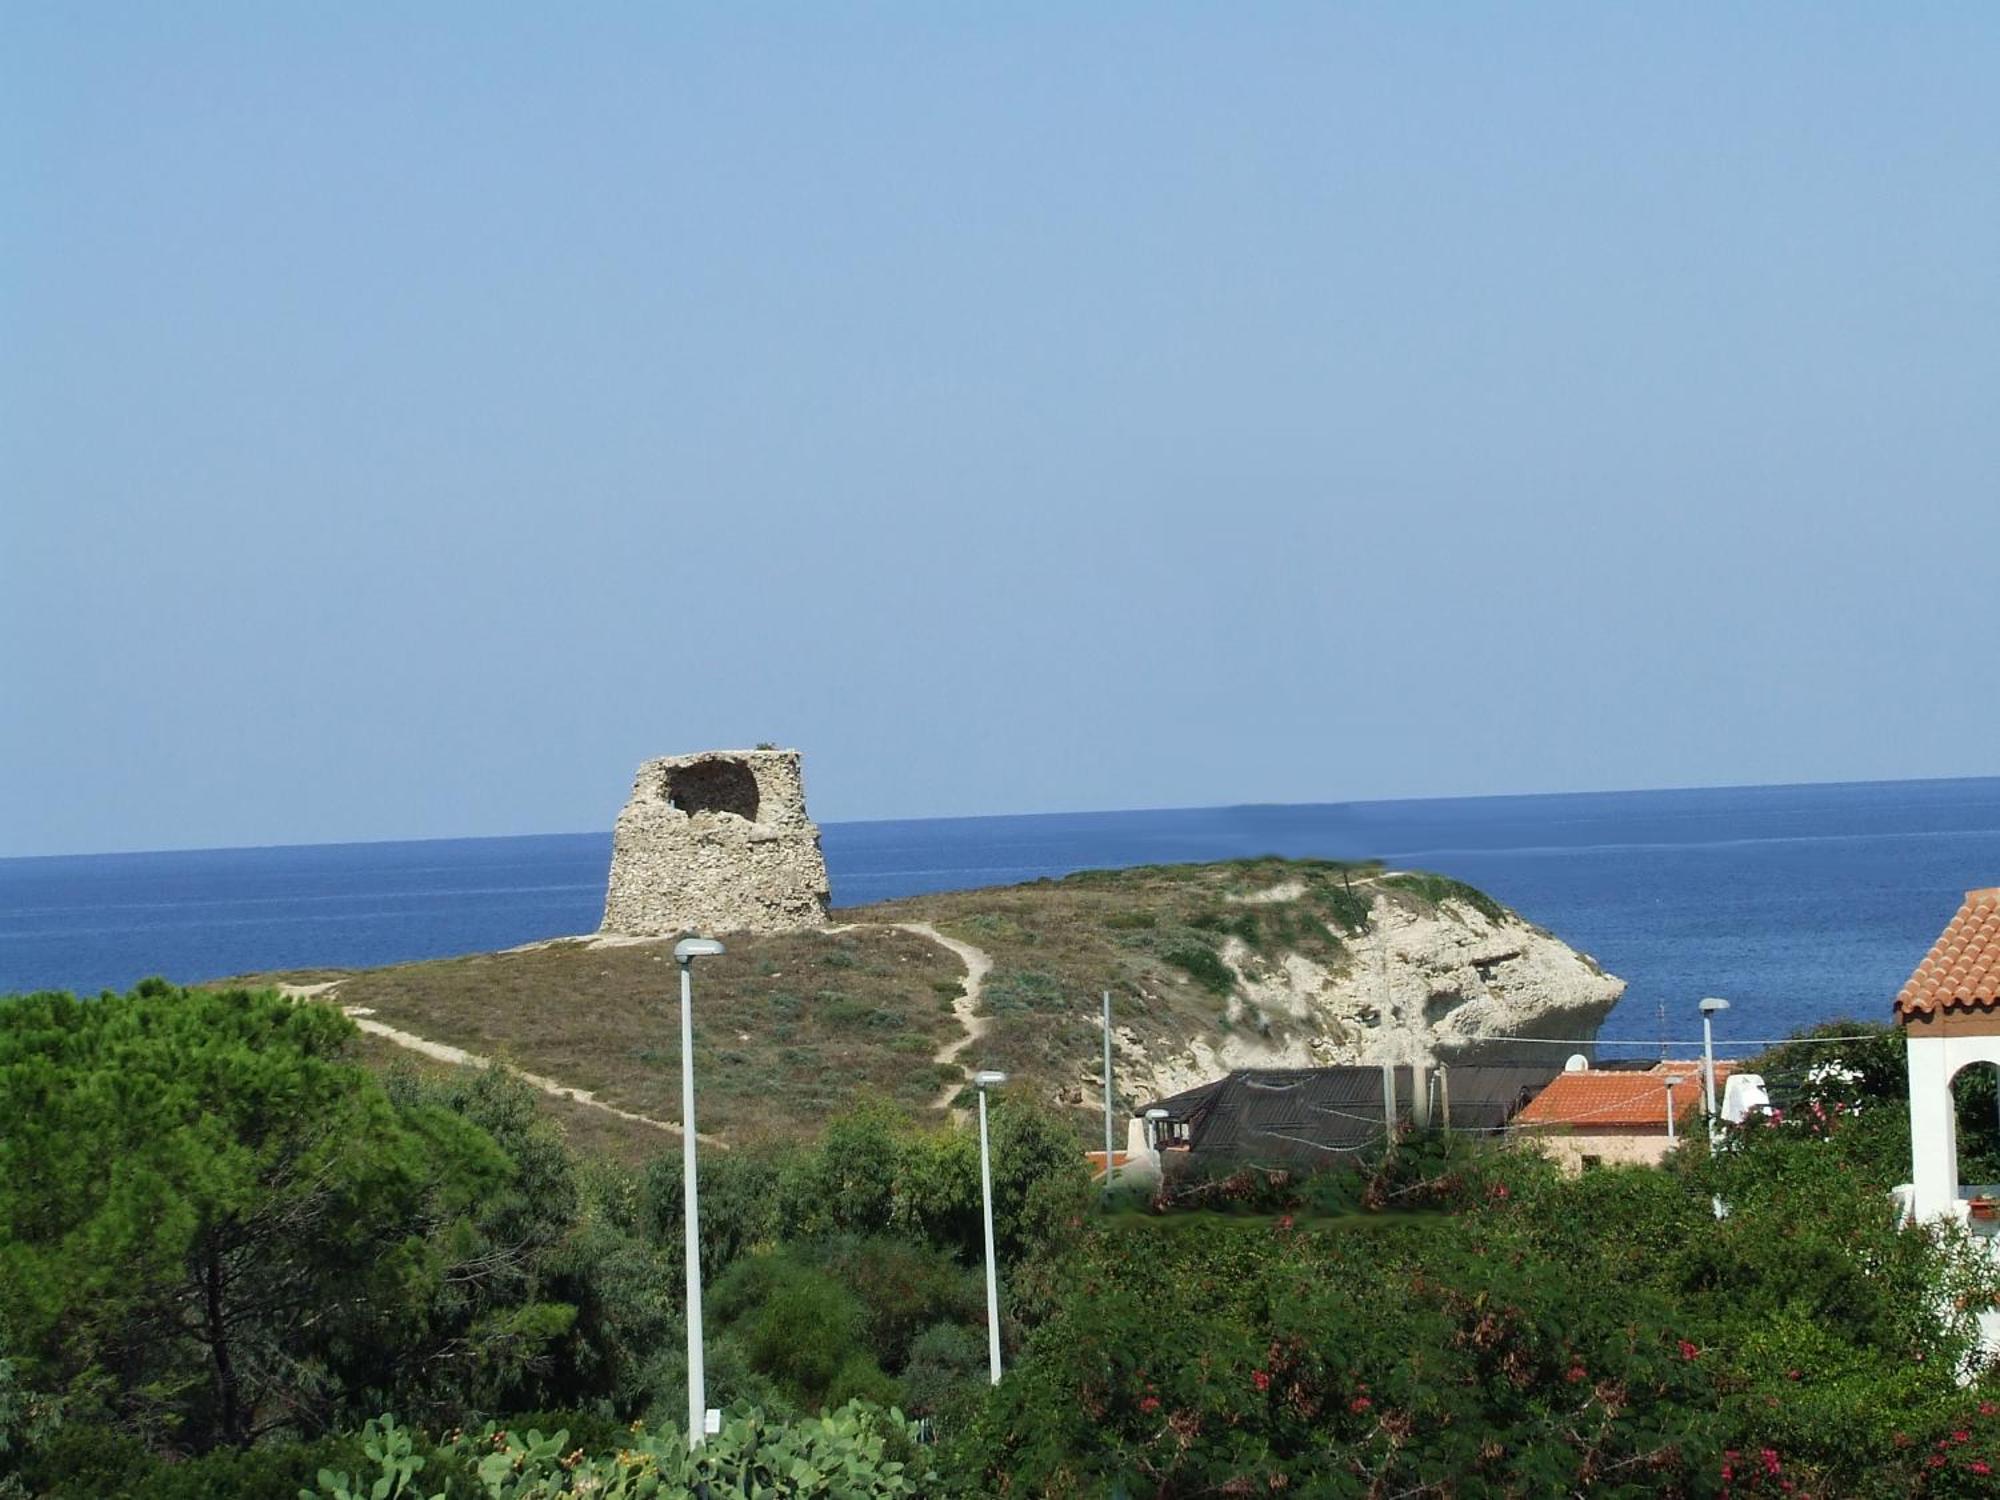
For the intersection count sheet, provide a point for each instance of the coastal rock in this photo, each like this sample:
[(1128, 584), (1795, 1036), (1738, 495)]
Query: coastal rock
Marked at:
[(1448, 981), (716, 842)]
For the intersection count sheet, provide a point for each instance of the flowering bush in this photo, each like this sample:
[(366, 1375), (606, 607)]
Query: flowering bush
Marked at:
[(1234, 1360)]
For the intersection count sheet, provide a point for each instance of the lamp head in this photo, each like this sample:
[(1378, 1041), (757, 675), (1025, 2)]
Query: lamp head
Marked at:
[(987, 1078), (1674, 1082), (689, 949), (1156, 1113), (1712, 1004)]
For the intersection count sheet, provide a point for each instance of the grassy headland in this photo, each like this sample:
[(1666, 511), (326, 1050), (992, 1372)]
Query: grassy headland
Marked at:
[(792, 1028)]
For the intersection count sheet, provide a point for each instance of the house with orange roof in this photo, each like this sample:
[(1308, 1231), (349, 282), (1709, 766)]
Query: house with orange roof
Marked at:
[(1589, 1117), (1950, 1015)]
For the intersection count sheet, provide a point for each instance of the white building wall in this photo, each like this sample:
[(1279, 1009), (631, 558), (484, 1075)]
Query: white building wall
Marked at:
[(1934, 1062)]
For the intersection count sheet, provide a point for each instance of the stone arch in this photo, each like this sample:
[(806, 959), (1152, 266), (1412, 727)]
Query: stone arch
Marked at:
[(1936, 1065), (719, 785)]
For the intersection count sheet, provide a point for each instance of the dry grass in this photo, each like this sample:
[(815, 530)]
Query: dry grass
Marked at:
[(787, 1028)]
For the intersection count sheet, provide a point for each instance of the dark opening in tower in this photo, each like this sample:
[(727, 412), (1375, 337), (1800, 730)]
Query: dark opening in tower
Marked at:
[(714, 786)]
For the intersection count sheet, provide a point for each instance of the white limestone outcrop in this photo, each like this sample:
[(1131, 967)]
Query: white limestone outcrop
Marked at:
[(1422, 984)]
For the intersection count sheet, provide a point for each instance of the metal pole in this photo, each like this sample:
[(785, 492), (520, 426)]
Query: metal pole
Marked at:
[(1107, 1091), (1444, 1095), (1389, 1100), (992, 1280), (1670, 1109), (1709, 1073), (697, 1377)]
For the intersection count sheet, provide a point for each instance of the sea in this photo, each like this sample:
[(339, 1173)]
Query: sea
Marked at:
[(1797, 904)]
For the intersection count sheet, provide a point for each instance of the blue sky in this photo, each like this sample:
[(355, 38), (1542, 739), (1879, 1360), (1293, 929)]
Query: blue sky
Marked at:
[(412, 417)]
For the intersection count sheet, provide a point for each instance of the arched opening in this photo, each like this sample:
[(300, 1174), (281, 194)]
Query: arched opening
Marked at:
[(713, 786), (1975, 1108)]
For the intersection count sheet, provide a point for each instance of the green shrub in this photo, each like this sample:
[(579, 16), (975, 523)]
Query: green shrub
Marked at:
[(903, 1289), (946, 1376), (796, 1324), (858, 1452), (96, 1463), (1028, 990), (1351, 913), (1439, 889), (1203, 964)]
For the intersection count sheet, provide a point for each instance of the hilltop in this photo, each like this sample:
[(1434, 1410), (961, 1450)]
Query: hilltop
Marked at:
[(1264, 962)]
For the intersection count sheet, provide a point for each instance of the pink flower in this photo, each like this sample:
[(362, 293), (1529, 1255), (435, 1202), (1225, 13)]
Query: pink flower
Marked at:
[(1689, 1351), (1149, 1404), (1980, 1466), (1261, 1379), (1770, 1457), (1359, 1403)]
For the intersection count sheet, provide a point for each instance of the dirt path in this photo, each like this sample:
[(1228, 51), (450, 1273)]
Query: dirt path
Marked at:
[(442, 1052), (978, 964)]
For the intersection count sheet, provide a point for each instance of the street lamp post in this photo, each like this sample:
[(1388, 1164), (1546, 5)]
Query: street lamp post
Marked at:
[(1709, 1009), (686, 951), (1672, 1084), (983, 1081)]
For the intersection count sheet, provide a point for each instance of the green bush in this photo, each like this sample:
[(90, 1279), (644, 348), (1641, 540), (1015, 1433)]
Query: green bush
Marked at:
[(945, 1377), (1439, 889), (796, 1324), (97, 1463), (903, 1288), (1203, 964), (856, 1453)]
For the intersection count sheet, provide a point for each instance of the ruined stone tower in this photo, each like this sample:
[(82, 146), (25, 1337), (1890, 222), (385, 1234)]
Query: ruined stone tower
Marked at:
[(716, 842)]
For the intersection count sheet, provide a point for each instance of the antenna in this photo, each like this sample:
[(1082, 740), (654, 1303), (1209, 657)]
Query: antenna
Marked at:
[(1663, 1030)]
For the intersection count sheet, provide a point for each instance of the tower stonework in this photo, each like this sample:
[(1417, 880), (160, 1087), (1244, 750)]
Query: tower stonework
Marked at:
[(716, 842)]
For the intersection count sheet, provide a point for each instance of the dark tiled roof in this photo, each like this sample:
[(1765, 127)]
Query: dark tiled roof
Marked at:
[(1962, 970), (1322, 1116)]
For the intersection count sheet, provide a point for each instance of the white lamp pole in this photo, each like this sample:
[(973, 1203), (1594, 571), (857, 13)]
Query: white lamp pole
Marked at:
[(1709, 1008), (984, 1081), (686, 951), (1672, 1084)]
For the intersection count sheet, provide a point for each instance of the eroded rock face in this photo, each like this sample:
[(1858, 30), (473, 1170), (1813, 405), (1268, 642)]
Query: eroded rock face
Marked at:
[(716, 842), (1449, 984)]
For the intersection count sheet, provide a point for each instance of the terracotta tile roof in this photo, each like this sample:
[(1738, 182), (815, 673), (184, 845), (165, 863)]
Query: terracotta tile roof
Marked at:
[(1095, 1159), (1962, 970), (1617, 1102)]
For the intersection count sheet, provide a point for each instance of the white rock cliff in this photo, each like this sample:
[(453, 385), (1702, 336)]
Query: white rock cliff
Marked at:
[(1423, 984)]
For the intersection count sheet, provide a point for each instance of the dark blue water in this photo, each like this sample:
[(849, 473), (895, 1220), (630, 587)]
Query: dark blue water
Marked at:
[(1799, 904)]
